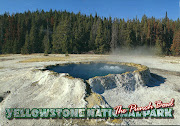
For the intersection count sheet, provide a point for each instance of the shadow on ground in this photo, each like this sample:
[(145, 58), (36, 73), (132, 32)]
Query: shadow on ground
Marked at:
[(106, 101), (156, 80), (1, 99), (4, 95)]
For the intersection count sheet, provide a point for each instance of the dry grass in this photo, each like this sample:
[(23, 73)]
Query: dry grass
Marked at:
[(4, 55), (63, 58), (45, 59)]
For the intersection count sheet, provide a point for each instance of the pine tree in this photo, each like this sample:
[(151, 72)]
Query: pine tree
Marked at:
[(33, 38), (16, 46), (41, 35), (93, 34), (122, 33), (144, 30), (78, 33), (46, 42), (78, 37), (1, 35), (175, 47), (129, 35), (27, 48), (114, 39), (99, 41), (8, 41), (106, 36), (158, 47), (18, 43), (61, 37)]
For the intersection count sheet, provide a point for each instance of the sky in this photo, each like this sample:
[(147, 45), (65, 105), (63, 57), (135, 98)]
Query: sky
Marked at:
[(127, 9)]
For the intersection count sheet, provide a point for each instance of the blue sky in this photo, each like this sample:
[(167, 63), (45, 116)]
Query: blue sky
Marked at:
[(127, 9)]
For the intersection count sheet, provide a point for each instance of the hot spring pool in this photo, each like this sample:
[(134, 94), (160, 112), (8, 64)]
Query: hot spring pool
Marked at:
[(86, 71)]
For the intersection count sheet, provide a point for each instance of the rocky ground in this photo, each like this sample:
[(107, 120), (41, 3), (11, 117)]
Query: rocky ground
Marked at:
[(24, 87)]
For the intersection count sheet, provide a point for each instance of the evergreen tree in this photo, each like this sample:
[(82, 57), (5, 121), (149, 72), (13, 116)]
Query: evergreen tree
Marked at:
[(1, 35), (41, 35), (175, 47), (61, 37), (99, 41), (114, 39), (93, 34), (46, 42), (122, 33), (27, 48), (33, 38), (158, 47), (78, 37), (130, 35), (78, 33), (16, 46)]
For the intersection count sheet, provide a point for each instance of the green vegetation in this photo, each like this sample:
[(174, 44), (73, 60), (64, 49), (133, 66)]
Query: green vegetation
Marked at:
[(62, 32)]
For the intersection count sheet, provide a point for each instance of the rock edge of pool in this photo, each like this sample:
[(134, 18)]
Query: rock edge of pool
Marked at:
[(127, 81)]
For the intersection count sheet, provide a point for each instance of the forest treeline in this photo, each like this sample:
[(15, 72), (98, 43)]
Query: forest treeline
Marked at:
[(65, 32)]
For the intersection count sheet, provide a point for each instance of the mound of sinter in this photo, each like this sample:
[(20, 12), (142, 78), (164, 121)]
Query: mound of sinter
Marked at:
[(41, 89), (48, 89), (103, 76)]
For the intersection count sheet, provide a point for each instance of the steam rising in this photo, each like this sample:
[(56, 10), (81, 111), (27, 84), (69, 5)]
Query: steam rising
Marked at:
[(110, 68), (140, 51)]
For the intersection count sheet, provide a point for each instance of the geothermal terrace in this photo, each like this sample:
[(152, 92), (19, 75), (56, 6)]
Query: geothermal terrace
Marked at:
[(80, 81)]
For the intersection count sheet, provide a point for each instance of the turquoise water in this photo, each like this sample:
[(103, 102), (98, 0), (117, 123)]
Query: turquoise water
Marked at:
[(86, 71)]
